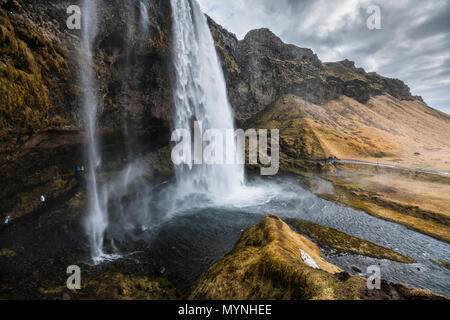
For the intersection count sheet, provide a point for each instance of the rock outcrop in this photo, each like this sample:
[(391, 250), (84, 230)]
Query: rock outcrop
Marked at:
[(266, 263)]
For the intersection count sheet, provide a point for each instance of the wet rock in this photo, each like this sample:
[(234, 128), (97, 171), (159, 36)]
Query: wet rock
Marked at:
[(356, 269)]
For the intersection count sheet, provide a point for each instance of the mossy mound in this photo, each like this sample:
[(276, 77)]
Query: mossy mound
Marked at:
[(115, 286), (119, 286), (266, 263), (339, 240)]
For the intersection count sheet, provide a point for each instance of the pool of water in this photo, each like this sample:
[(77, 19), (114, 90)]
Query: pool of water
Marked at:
[(186, 236)]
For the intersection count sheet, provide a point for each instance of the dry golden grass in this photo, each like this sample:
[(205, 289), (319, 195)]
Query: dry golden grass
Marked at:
[(384, 130), (266, 264), (420, 201)]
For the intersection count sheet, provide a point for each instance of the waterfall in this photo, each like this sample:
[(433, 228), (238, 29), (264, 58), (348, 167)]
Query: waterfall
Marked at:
[(107, 213), (200, 94), (96, 221), (144, 21)]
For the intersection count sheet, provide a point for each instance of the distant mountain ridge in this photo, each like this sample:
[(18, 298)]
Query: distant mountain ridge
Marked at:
[(261, 68)]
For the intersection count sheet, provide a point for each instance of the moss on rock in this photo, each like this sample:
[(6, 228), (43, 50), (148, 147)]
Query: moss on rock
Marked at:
[(119, 286), (266, 263), (442, 263), (30, 67), (339, 240)]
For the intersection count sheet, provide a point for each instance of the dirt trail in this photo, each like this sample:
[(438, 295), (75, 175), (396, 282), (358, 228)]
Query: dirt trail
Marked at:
[(385, 165)]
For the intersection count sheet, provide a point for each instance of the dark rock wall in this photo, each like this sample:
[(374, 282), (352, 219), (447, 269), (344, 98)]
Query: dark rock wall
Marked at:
[(41, 132), (39, 58)]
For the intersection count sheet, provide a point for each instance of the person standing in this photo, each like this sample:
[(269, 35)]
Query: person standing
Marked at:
[(43, 202), (7, 220)]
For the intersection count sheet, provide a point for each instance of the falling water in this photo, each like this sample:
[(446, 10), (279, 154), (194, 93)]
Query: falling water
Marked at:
[(96, 221), (107, 214), (145, 21), (200, 94)]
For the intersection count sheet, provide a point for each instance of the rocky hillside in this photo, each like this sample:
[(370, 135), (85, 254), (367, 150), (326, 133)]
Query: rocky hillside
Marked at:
[(261, 68), (329, 109)]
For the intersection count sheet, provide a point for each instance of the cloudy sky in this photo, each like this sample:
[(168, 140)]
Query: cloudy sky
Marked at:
[(413, 43)]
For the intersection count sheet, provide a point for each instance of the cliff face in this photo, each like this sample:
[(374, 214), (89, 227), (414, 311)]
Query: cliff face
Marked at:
[(261, 68), (40, 58), (41, 129)]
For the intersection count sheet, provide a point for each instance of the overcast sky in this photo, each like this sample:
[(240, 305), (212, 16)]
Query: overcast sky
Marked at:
[(413, 43)]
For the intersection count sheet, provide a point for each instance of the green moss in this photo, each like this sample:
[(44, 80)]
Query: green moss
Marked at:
[(119, 286), (7, 253), (339, 240), (442, 263), (51, 289), (29, 66), (266, 264)]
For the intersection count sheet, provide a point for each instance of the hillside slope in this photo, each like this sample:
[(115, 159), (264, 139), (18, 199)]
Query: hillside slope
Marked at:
[(384, 129)]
